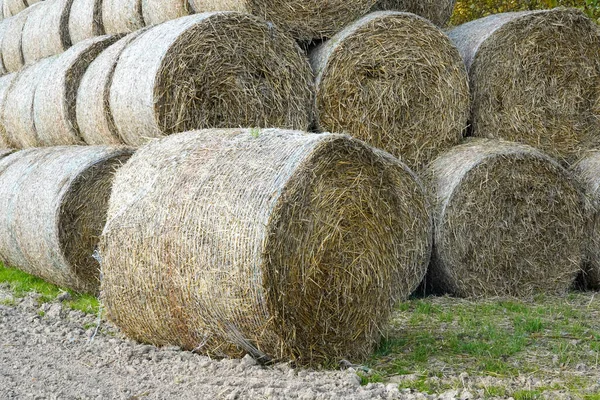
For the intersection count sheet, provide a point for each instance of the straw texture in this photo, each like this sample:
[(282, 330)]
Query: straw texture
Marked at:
[(54, 107), (13, 7), (280, 244), (85, 20), (12, 53), (5, 82), (535, 78), (437, 11), (54, 206), (210, 70), (122, 16), (3, 28), (396, 81), (159, 11), (509, 221)]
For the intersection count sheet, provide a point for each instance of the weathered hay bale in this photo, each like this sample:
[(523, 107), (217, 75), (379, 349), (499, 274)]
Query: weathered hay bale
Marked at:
[(303, 20), (302, 258), (46, 32), (396, 81), (5, 152), (54, 106), (94, 119), (587, 170), (85, 20), (54, 204), (535, 78), (509, 221), (210, 70), (437, 11), (18, 115), (12, 53), (3, 27), (122, 16), (14, 7), (159, 11), (5, 82)]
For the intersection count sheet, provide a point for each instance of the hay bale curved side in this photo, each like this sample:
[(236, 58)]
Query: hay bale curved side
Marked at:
[(46, 32), (535, 79), (94, 119), (275, 253), (210, 70), (85, 20), (396, 81), (18, 116), (3, 27), (436, 11), (14, 7), (57, 199), (159, 11), (587, 170), (5, 82), (12, 53), (54, 106), (509, 221), (122, 16)]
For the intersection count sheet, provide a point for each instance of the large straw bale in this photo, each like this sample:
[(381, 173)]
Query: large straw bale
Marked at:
[(54, 204), (218, 70), (46, 32), (396, 81), (3, 28), (54, 106), (509, 221), (94, 119), (18, 116), (303, 20), (535, 78), (275, 243), (12, 52), (437, 11), (5, 82), (159, 11), (85, 20), (122, 16), (13, 7)]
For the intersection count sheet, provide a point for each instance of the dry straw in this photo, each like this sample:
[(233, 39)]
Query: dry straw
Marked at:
[(18, 116), (535, 78), (587, 169), (12, 53), (85, 20), (303, 20), (437, 11), (159, 11), (5, 152), (54, 204), (281, 244), (218, 70), (94, 119), (396, 81), (56, 95), (3, 28), (509, 221), (46, 32), (122, 16), (13, 7), (5, 82)]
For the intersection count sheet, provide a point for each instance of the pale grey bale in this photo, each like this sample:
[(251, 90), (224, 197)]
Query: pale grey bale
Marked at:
[(85, 20)]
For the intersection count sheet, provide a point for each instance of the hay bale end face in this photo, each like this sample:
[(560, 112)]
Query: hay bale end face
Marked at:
[(46, 31), (587, 170), (85, 20), (436, 11), (122, 16), (55, 203), (395, 81), (509, 221), (535, 78), (159, 11), (56, 95), (94, 119), (210, 70), (283, 245), (5, 82), (12, 53)]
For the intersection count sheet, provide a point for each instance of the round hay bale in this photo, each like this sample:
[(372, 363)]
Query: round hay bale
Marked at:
[(3, 27), (2, 16), (219, 70), (12, 53), (54, 204), (122, 16), (303, 20), (535, 78), (14, 7), (5, 82), (396, 81), (54, 106), (509, 221), (18, 115), (159, 11), (46, 32), (436, 11), (283, 245), (5, 152), (587, 170), (94, 119), (85, 20)]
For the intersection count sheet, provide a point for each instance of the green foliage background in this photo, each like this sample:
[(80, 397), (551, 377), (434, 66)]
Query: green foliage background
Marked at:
[(467, 10)]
